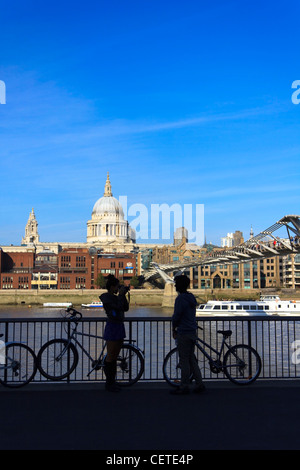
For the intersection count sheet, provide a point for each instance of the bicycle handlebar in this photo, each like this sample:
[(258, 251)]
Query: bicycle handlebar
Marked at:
[(73, 315)]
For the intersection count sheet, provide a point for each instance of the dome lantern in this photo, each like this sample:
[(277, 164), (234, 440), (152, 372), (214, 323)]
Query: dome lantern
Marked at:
[(107, 189)]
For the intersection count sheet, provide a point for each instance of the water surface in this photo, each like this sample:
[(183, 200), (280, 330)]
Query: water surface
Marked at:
[(24, 311)]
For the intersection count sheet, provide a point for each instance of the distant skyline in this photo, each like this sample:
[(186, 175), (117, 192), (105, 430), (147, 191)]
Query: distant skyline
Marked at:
[(181, 102)]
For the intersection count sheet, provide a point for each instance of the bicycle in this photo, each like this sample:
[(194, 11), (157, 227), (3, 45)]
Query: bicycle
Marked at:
[(58, 358), (240, 363), (18, 364)]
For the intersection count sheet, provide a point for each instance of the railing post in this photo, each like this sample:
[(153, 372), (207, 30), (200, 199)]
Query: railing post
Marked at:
[(249, 333), (6, 332), (130, 357), (130, 331), (68, 352)]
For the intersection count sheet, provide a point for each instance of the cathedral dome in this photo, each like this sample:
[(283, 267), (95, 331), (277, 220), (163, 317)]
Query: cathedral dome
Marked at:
[(107, 223), (107, 206)]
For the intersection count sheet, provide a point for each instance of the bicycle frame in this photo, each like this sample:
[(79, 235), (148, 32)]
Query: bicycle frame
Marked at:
[(216, 362), (96, 362), (205, 353)]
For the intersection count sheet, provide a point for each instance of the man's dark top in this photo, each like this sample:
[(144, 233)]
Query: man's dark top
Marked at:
[(184, 316)]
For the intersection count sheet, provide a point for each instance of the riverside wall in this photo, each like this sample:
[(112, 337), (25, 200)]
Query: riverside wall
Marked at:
[(141, 297)]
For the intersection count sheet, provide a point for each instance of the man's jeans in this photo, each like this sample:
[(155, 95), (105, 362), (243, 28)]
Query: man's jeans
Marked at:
[(188, 362)]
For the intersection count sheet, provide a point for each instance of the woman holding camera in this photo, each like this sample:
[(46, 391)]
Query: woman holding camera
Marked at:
[(115, 304)]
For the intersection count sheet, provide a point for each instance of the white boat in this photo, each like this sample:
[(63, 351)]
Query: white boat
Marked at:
[(267, 305), (58, 304), (94, 304)]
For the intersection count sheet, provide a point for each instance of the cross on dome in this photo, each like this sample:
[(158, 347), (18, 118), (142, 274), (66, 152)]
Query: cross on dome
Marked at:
[(107, 189)]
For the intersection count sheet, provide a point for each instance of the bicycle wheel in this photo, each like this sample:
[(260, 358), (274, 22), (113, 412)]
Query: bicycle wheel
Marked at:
[(130, 365), (57, 359), (242, 364), (171, 368), (18, 366)]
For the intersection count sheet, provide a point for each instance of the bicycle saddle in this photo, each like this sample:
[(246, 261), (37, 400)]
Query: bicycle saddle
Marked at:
[(225, 333)]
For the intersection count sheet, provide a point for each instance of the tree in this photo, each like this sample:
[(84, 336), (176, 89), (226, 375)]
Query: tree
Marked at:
[(134, 281), (100, 281)]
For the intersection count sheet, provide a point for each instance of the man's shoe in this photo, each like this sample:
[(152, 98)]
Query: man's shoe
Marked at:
[(199, 389), (180, 391)]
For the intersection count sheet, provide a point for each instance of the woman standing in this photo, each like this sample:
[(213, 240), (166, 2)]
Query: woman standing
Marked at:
[(115, 304)]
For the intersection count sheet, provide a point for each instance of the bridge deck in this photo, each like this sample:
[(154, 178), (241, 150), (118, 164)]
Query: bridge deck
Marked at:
[(146, 417)]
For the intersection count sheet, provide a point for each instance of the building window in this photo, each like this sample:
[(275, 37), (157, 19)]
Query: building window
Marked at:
[(23, 282), (80, 283), (65, 261), (80, 261), (64, 282), (7, 282)]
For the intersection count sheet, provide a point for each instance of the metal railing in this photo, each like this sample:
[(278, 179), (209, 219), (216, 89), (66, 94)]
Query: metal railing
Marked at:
[(275, 338)]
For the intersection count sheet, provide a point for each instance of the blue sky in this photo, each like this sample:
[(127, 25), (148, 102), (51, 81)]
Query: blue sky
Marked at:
[(182, 102)]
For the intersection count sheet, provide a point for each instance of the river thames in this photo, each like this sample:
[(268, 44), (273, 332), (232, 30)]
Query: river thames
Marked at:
[(24, 311)]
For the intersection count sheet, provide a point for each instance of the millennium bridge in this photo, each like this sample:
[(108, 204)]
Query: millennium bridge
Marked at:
[(263, 245)]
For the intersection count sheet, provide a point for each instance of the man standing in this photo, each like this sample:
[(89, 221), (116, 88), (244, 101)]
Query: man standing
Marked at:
[(185, 332)]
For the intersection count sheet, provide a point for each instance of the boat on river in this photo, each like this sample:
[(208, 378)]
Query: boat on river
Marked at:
[(266, 305), (94, 304)]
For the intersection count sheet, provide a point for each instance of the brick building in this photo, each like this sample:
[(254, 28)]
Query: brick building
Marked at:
[(121, 265), (252, 275), (72, 268), (16, 269)]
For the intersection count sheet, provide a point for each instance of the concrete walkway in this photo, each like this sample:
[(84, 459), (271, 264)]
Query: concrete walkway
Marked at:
[(265, 415)]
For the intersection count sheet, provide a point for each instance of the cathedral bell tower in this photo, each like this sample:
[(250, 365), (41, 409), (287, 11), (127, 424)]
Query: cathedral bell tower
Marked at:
[(31, 232)]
